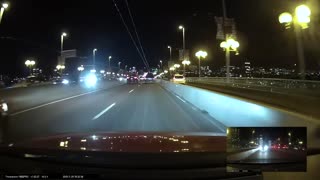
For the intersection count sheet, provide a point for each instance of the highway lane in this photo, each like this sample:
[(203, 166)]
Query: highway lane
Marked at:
[(270, 160), (145, 107)]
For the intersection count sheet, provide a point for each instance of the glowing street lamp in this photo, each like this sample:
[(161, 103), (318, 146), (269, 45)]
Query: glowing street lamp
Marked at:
[(176, 65), (170, 50), (60, 68), (62, 35), (94, 57), (30, 64), (80, 68), (185, 62), (229, 45), (109, 61), (4, 6), (183, 38), (201, 54), (300, 20)]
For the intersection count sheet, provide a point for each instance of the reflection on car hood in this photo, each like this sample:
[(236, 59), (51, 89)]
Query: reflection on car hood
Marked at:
[(129, 142)]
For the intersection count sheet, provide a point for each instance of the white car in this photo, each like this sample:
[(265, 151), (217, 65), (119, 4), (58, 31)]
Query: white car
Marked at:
[(178, 78)]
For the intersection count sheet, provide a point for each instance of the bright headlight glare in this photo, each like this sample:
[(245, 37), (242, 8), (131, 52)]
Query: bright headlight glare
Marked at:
[(65, 81), (91, 80), (4, 107)]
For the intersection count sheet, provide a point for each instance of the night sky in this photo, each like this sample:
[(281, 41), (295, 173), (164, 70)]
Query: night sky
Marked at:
[(32, 28), (273, 133)]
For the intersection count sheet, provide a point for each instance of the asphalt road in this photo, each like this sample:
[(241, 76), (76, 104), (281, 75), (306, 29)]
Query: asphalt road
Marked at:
[(145, 107), (270, 160)]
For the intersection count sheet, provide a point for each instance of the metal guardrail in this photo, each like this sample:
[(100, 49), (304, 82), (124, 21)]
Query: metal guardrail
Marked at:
[(292, 86)]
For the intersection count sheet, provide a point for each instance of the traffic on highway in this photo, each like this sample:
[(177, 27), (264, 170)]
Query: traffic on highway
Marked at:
[(182, 90)]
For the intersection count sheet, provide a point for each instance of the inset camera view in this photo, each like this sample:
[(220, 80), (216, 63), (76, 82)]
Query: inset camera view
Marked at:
[(266, 149)]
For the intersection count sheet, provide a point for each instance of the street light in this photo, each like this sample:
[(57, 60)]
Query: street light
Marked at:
[(229, 45), (109, 61), (185, 62), (30, 64), (94, 57), (119, 63), (176, 65), (4, 6), (80, 68), (170, 50), (300, 20), (62, 35), (184, 40), (201, 54)]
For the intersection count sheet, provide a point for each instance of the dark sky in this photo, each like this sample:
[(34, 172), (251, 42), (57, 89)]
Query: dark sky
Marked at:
[(32, 28), (272, 133)]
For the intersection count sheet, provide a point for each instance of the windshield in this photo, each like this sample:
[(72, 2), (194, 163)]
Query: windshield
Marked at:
[(178, 77), (158, 66)]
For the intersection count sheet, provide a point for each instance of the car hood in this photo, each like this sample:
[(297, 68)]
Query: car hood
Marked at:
[(129, 142)]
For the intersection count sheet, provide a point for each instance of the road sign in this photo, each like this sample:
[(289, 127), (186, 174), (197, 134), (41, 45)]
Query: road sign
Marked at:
[(66, 54), (69, 53), (225, 26)]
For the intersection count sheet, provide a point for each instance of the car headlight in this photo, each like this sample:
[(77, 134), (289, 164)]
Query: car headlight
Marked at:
[(265, 148), (65, 81), (4, 107), (91, 80)]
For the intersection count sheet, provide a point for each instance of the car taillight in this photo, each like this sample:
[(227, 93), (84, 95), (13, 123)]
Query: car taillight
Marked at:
[(135, 78)]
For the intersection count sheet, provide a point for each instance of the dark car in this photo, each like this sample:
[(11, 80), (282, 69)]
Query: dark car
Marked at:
[(132, 79)]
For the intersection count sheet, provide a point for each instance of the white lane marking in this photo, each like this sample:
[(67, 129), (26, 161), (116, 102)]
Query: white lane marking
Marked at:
[(104, 111), (53, 102), (131, 90), (181, 99)]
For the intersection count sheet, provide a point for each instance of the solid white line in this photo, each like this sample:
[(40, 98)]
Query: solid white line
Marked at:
[(131, 91), (104, 111), (181, 99), (53, 102)]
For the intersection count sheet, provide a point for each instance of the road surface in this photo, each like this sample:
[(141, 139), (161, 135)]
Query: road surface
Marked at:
[(143, 107), (270, 160)]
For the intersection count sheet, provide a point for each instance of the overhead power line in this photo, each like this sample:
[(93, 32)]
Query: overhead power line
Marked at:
[(127, 28), (135, 29)]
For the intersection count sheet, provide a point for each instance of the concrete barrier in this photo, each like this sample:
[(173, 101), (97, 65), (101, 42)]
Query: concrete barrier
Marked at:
[(234, 112)]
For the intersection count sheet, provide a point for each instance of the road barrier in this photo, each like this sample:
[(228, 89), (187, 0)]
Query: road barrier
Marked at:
[(287, 86), (231, 111)]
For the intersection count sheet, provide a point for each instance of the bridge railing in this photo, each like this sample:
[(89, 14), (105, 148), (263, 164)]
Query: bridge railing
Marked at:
[(292, 86)]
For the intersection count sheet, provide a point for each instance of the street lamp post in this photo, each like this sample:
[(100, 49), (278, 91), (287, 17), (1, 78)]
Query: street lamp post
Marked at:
[(184, 40), (109, 62), (170, 50), (60, 68), (185, 62), (30, 64), (176, 66), (119, 63), (161, 65), (80, 68), (201, 54), (300, 21), (229, 45), (4, 6), (94, 58), (62, 35)]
